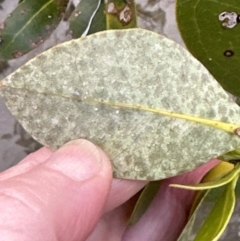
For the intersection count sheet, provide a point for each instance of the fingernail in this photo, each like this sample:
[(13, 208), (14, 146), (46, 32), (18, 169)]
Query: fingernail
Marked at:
[(78, 159)]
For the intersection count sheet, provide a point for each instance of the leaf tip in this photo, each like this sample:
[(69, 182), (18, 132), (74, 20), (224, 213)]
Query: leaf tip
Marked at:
[(177, 185), (188, 187)]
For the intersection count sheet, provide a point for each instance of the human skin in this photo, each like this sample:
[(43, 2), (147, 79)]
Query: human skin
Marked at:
[(70, 195)]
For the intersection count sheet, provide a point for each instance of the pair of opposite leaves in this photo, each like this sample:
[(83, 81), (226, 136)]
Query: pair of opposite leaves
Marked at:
[(123, 90)]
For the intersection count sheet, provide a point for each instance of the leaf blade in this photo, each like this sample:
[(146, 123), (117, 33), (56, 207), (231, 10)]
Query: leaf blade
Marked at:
[(216, 173), (143, 202), (217, 220), (28, 26), (202, 196), (212, 184), (82, 17), (197, 35), (186, 233), (141, 145)]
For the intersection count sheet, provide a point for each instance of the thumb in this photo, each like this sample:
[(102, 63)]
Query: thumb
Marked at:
[(60, 198)]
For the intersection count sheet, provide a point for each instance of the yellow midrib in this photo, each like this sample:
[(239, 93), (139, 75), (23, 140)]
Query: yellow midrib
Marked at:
[(228, 127), (232, 128)]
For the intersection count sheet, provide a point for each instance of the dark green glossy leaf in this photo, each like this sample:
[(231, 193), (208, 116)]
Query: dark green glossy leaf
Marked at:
[(143, 202), (82, 17), (99, 21), (93, 16), (150, 112), (28, 26), (216, 46)]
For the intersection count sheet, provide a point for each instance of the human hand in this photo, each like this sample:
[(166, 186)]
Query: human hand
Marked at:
[(70, 195)]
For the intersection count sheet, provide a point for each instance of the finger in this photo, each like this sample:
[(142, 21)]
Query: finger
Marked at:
[(112, 224), (59, 199), (27, 163), (121, 191), (167, 214), (38, 156), (117, 211)]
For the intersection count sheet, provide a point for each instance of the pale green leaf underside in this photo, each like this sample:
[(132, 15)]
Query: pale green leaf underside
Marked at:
[(52, 97)]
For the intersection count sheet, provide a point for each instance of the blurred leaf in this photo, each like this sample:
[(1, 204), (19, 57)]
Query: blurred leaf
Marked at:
[(217, 172), (212, 184), (108, 93), (121, 14), (94, 16), (209, 41), (82, 17), (144, 200), (188, 229), (3, 65), (214, 174), (215, 193), (217, 220), (231, 156), (99, 21), (68, 11), (28, 26), (1, 1)]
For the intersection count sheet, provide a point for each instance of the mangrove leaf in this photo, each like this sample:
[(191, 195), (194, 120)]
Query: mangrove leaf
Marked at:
[(28, 26), (144, 99), (217, 220), (144, 201), (216, 173), (188, 231), (82, 17), (93, 16), (211, 31), (212, 184)]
